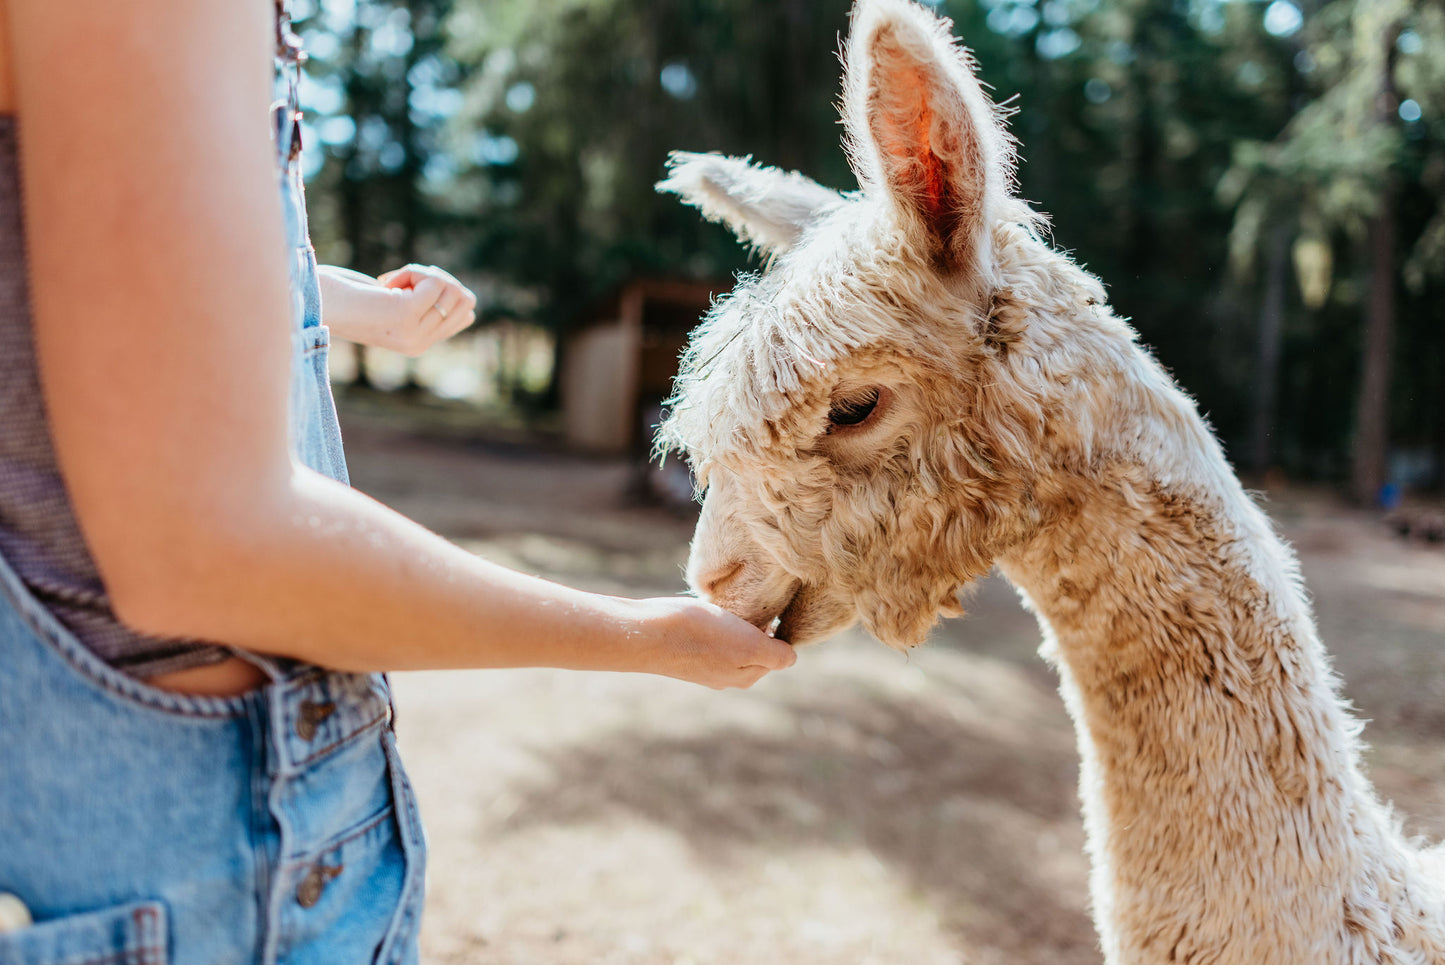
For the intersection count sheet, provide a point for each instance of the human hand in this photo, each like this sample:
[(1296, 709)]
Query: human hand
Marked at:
[(705, 644), (407, 310)]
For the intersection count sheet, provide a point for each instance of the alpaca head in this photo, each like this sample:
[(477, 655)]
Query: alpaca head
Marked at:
[(862, 415)]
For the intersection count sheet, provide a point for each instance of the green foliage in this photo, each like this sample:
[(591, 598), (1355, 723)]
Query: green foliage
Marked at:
[(1365, 143), (1172, 142), (380, 89), (576, 103)]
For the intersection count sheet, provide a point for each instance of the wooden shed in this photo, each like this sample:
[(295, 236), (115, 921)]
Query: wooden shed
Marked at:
[(618, 366)]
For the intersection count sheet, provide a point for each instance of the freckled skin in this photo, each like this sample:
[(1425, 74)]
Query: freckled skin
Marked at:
[(1020, 425)]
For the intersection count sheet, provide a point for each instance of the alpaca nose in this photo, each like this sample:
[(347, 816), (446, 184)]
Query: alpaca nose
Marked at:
[(711, 581)]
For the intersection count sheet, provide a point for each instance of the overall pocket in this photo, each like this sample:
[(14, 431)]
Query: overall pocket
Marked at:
[(400, 944), (134, 934)]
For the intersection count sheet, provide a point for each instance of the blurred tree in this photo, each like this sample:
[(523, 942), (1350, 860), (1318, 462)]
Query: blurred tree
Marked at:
[(1196, 154), (1134, 107), (575, 104), (381, 89), (1338, 167)]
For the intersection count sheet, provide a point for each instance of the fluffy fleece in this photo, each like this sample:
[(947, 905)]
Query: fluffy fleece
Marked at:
[(1015, 422)]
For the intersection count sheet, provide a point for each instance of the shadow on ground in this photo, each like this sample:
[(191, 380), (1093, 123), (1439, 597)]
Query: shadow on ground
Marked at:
[(966, 818)]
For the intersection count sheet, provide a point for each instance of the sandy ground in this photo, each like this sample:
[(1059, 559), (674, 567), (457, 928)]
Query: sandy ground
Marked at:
[(862, 808)]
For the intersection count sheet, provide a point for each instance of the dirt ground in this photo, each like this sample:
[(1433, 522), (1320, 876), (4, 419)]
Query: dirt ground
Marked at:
[(864, 807)]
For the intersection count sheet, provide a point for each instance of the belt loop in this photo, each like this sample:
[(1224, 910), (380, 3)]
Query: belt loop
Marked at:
[(274, 672)]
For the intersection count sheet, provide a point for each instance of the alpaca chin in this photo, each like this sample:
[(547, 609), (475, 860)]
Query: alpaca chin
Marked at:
[(899, 613), (813, 616)]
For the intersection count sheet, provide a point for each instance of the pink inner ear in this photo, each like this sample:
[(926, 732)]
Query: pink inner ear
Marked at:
[(904, 126), (931, 155)]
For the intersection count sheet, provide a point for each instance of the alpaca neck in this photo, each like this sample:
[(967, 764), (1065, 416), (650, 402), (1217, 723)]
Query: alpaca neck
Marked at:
[(1220, 781)]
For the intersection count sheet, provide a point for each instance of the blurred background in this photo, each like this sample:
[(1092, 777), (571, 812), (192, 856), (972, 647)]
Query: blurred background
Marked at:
[(1259, 183)]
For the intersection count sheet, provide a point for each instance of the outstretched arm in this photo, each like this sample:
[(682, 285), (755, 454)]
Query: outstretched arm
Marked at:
[(160, 300)]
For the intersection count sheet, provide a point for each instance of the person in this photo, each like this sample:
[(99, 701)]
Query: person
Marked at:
[(196, 611)]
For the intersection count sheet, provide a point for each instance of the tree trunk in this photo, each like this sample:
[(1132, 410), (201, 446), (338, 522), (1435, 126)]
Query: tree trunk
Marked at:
[(1372, 414), (1437, 473), (421, 27), (1439, 481), (1271, 331), (353, 201), (1140, 245)]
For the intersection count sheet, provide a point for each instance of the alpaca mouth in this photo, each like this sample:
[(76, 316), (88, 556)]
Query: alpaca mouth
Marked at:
[(784, 625)]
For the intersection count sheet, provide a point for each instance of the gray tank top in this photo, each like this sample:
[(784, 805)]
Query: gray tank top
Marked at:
[(38, 533)]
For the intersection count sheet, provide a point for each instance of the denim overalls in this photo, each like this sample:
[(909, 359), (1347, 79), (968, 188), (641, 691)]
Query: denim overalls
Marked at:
[(142, 827)]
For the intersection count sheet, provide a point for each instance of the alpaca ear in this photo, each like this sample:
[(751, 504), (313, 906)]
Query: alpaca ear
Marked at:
[(765, 207), (921, 131)]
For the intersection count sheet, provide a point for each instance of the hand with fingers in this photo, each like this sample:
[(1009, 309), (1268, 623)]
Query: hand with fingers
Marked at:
[(407, 310), (702, 643)]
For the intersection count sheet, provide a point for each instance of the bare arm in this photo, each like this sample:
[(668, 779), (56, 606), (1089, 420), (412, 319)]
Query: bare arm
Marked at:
[(159, 291), (407, 310)]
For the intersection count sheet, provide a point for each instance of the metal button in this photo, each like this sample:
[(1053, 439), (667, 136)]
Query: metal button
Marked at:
[(311, 716), (308, 892)]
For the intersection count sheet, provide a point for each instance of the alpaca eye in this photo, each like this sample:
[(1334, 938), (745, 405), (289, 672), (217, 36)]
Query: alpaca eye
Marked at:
[(854, 411)]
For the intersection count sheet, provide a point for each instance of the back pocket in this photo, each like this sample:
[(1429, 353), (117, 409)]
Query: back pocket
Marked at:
[(127, 935)]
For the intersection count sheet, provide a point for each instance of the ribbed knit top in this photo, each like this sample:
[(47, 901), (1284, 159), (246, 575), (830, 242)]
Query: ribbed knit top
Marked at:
[(39, 536)]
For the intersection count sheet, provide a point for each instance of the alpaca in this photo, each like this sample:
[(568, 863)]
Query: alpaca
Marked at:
[(916, 389)]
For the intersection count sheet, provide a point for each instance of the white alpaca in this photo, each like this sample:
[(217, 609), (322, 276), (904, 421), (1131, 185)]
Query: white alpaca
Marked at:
[(917, 389)]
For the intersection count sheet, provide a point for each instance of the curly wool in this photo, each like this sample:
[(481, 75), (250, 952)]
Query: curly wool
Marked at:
[(1018, 423)]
